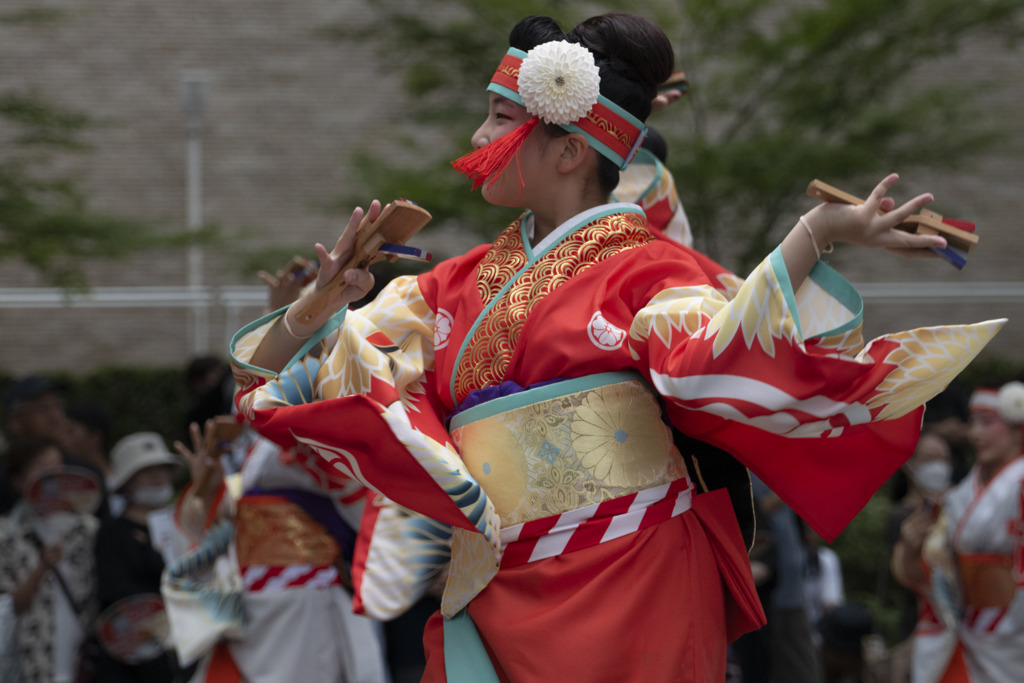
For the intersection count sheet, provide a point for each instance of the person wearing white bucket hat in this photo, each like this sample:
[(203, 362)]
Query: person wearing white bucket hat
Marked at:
[(137, 452), (128, 558)]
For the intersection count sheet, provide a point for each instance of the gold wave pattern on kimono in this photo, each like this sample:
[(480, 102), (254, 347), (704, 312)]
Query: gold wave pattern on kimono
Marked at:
[(488, 353)]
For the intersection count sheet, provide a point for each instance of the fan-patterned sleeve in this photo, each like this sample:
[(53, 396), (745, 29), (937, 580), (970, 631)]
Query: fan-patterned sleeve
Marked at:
[(783, 380), (360, 396)]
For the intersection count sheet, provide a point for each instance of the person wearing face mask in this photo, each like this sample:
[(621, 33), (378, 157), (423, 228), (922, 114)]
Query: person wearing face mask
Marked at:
[(46, 567), (969, 566), (917, 486), (127, 561)]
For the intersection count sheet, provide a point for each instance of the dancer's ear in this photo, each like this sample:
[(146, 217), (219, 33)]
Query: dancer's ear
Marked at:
[(573, 150)]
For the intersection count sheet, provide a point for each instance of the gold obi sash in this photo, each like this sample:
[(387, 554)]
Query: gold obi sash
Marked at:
[(274, 532), (987, 580), (552, 449), (563, 446)]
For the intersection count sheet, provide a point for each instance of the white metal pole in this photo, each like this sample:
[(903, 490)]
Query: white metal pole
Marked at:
[(193, 98)]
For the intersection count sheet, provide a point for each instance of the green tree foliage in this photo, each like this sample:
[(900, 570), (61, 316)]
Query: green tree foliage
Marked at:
[(44, 216), (45, 220), (780, 94), (825, 89)]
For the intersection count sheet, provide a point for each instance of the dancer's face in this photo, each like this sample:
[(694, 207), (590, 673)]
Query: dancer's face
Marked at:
[(994, 440), (503, 116), (526, 171)]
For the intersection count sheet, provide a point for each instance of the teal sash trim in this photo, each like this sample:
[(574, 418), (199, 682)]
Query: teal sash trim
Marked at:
[(532, 257), (539, 394), (465, 658), (333, 323)]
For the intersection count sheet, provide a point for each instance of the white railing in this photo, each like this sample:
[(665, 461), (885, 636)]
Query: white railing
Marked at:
[(908, 292), (233, 299), (178, 296), (230, 299), (127, 297)]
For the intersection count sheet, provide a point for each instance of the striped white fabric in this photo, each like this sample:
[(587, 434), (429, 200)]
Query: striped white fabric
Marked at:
[(588, 526), (263, 578)]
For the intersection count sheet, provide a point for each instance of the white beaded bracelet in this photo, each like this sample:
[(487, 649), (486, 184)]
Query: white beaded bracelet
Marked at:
[(289, 330)]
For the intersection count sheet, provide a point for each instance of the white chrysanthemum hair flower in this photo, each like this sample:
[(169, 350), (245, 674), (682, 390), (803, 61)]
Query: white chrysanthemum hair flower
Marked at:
[(559, 82), (1011, 402)]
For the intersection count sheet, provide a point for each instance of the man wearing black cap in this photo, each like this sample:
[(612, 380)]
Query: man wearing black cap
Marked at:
[(34, 406)]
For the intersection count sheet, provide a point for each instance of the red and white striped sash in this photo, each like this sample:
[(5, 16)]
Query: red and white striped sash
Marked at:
[(263, 578), (588, 526)]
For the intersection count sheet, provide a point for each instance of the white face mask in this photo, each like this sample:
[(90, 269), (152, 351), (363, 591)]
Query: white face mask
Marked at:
[(932, 477), (54, 527), (152, 496)]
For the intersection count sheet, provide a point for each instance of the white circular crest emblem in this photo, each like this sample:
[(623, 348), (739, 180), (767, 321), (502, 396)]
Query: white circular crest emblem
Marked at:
[(442, 328), (605, 336)]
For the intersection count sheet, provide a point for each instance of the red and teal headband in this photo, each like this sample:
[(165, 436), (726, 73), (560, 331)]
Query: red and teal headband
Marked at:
[(556, 82), (611, 130)]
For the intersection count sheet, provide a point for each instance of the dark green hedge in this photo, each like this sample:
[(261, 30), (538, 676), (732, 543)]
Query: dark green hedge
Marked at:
[(138, 399)]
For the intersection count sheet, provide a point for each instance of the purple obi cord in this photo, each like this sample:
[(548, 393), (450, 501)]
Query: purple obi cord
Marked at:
[(486, 394)]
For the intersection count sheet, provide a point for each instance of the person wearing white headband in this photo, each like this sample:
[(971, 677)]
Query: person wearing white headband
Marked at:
[(973, 556), (520, 394)]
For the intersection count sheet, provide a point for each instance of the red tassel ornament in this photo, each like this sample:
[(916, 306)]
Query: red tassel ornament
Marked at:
[(486, 164)]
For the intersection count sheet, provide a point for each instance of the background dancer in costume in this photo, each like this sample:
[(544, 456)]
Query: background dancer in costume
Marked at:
[(300, 620), (294, 534), (648, 183), (516, 392), (972, 547)]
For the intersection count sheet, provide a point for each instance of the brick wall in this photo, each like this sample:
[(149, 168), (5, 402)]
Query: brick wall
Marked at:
[(285, 111)]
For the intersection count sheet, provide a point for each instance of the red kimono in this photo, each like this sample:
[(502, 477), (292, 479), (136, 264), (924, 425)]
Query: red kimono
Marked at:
[(522, 395)]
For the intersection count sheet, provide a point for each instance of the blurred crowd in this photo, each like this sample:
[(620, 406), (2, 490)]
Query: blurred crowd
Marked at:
[(89, 529)]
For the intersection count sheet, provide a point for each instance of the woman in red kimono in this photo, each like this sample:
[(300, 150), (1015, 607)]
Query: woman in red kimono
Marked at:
[(522, 393)]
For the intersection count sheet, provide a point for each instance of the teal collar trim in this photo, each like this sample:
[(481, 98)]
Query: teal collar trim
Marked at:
[(578, 221)]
